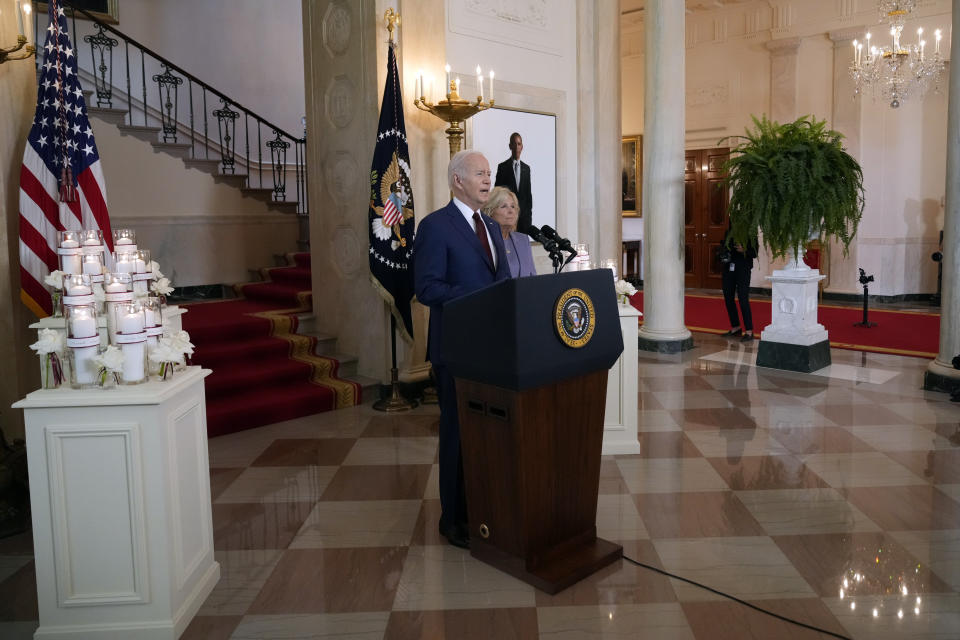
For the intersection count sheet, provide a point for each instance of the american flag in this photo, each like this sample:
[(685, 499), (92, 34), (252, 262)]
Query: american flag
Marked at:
[(61, 180)]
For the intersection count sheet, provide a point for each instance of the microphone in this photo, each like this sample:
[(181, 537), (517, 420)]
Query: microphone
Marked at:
[(563, 243), (549, 245)]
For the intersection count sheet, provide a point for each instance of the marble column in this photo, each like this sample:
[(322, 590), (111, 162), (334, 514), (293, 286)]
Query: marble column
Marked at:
[(599, 221), (941, 376), (344, 61), (846, 118), (422, 46), (663, 327), (784, 80)]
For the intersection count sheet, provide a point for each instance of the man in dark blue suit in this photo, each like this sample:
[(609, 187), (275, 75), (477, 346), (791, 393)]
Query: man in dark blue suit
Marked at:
[(457, 250)]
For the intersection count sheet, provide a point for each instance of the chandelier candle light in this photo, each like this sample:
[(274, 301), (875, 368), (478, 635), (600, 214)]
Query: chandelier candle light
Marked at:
[(901, 70), (454, 110)]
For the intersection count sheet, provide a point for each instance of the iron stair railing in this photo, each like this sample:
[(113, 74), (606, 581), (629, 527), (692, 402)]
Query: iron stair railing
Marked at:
[(174, 116)]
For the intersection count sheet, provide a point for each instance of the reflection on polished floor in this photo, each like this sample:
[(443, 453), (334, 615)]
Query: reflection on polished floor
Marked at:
[(832, 499)]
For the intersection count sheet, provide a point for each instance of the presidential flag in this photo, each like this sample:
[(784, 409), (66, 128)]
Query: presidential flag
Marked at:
[(61, 180), (391, 205)]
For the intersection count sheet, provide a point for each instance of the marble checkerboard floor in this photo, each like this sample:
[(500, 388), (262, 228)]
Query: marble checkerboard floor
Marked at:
[(833, 499)]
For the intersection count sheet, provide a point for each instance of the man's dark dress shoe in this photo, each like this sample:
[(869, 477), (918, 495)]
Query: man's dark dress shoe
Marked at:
[(456, 535), (731, 333), (747, 337)]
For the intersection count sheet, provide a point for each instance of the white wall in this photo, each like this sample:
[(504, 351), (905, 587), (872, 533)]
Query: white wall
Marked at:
[(902, 151), (250, 50)]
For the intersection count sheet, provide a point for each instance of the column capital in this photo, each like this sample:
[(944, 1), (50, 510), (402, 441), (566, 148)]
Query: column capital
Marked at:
[(783, 46), (845, 36)]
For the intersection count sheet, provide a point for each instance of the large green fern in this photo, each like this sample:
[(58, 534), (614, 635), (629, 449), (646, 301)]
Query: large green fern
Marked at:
[(793, 182)]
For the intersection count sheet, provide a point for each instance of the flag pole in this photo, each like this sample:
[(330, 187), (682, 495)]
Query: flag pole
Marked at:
[(395, 402)]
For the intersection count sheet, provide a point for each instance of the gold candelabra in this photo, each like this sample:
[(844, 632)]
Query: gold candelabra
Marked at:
[(29, 50), (455, 110)]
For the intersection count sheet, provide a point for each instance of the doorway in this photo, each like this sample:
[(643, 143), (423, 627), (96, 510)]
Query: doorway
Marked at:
[(705, 216)]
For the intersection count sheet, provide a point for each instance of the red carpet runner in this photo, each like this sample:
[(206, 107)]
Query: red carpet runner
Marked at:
[(263, 371), (911, 333)]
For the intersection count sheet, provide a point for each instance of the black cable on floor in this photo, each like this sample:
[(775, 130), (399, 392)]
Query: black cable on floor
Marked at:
[(735, 599)]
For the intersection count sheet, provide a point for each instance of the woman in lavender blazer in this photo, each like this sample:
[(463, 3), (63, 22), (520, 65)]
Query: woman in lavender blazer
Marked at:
[(504, 209)]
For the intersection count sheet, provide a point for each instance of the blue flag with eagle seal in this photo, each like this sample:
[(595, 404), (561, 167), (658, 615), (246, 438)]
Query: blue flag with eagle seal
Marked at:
[(391, 205)]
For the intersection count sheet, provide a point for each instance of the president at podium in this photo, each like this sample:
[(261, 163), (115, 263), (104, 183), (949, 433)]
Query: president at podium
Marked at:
[(457, 250)]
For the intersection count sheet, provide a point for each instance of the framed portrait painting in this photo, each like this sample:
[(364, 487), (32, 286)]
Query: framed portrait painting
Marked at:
[(631, 174), (490, 133)]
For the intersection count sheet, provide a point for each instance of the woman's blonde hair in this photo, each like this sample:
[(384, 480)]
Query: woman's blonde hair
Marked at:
[(497, 197)]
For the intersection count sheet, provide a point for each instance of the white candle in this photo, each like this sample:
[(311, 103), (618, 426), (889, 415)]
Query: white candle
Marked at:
[(131, 323), (124, 240), (491, 85), (937, 33), (480, 83), (919, 36), (89, 242), (133, 361), (79, 290), (115, 287), (83, 367), (151, 317), (92, 267), (458, 85), (447, 69), (19, 18), (69, 244), (70, 264), (126, 266), (141, 266), (82, 326), (923, 44)]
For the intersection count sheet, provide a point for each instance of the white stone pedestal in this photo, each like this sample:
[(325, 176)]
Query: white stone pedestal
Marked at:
[(620, 419), (794, 339), (120, 495)]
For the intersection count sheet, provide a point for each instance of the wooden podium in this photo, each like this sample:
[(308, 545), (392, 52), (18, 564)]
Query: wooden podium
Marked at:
[(530, 357)]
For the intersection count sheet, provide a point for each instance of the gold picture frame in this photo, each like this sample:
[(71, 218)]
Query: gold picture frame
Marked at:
[(631, 175), (104, 10)]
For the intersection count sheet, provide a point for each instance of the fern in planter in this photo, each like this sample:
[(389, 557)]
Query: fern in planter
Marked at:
[(793, 183)]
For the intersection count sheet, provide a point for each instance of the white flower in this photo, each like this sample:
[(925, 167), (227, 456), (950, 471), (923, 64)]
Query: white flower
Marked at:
[(155, 270), (164, 352), (55, 279), (110, 359), (624, 288), (380, 230), (161, 287), (180, 341), (99, 295), (51, 341)]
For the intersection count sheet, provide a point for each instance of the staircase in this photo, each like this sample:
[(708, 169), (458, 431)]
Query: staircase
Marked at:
[(269, 363)]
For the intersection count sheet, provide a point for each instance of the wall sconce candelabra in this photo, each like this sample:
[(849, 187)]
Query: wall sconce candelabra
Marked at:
[(28, 49), (901, 70), (454, 110)]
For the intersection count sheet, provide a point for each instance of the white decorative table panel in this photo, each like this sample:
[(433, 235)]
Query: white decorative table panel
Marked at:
[(120, 495), (620, 418)]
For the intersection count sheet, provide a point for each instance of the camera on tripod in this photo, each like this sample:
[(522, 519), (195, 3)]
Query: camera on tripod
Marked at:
[(864, 278)]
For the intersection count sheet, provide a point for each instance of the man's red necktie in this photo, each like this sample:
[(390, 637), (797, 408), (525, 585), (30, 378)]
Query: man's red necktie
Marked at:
[(481, 230)]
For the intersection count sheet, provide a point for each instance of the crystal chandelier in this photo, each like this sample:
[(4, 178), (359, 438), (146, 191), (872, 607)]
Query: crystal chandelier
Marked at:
[(899, 71)]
